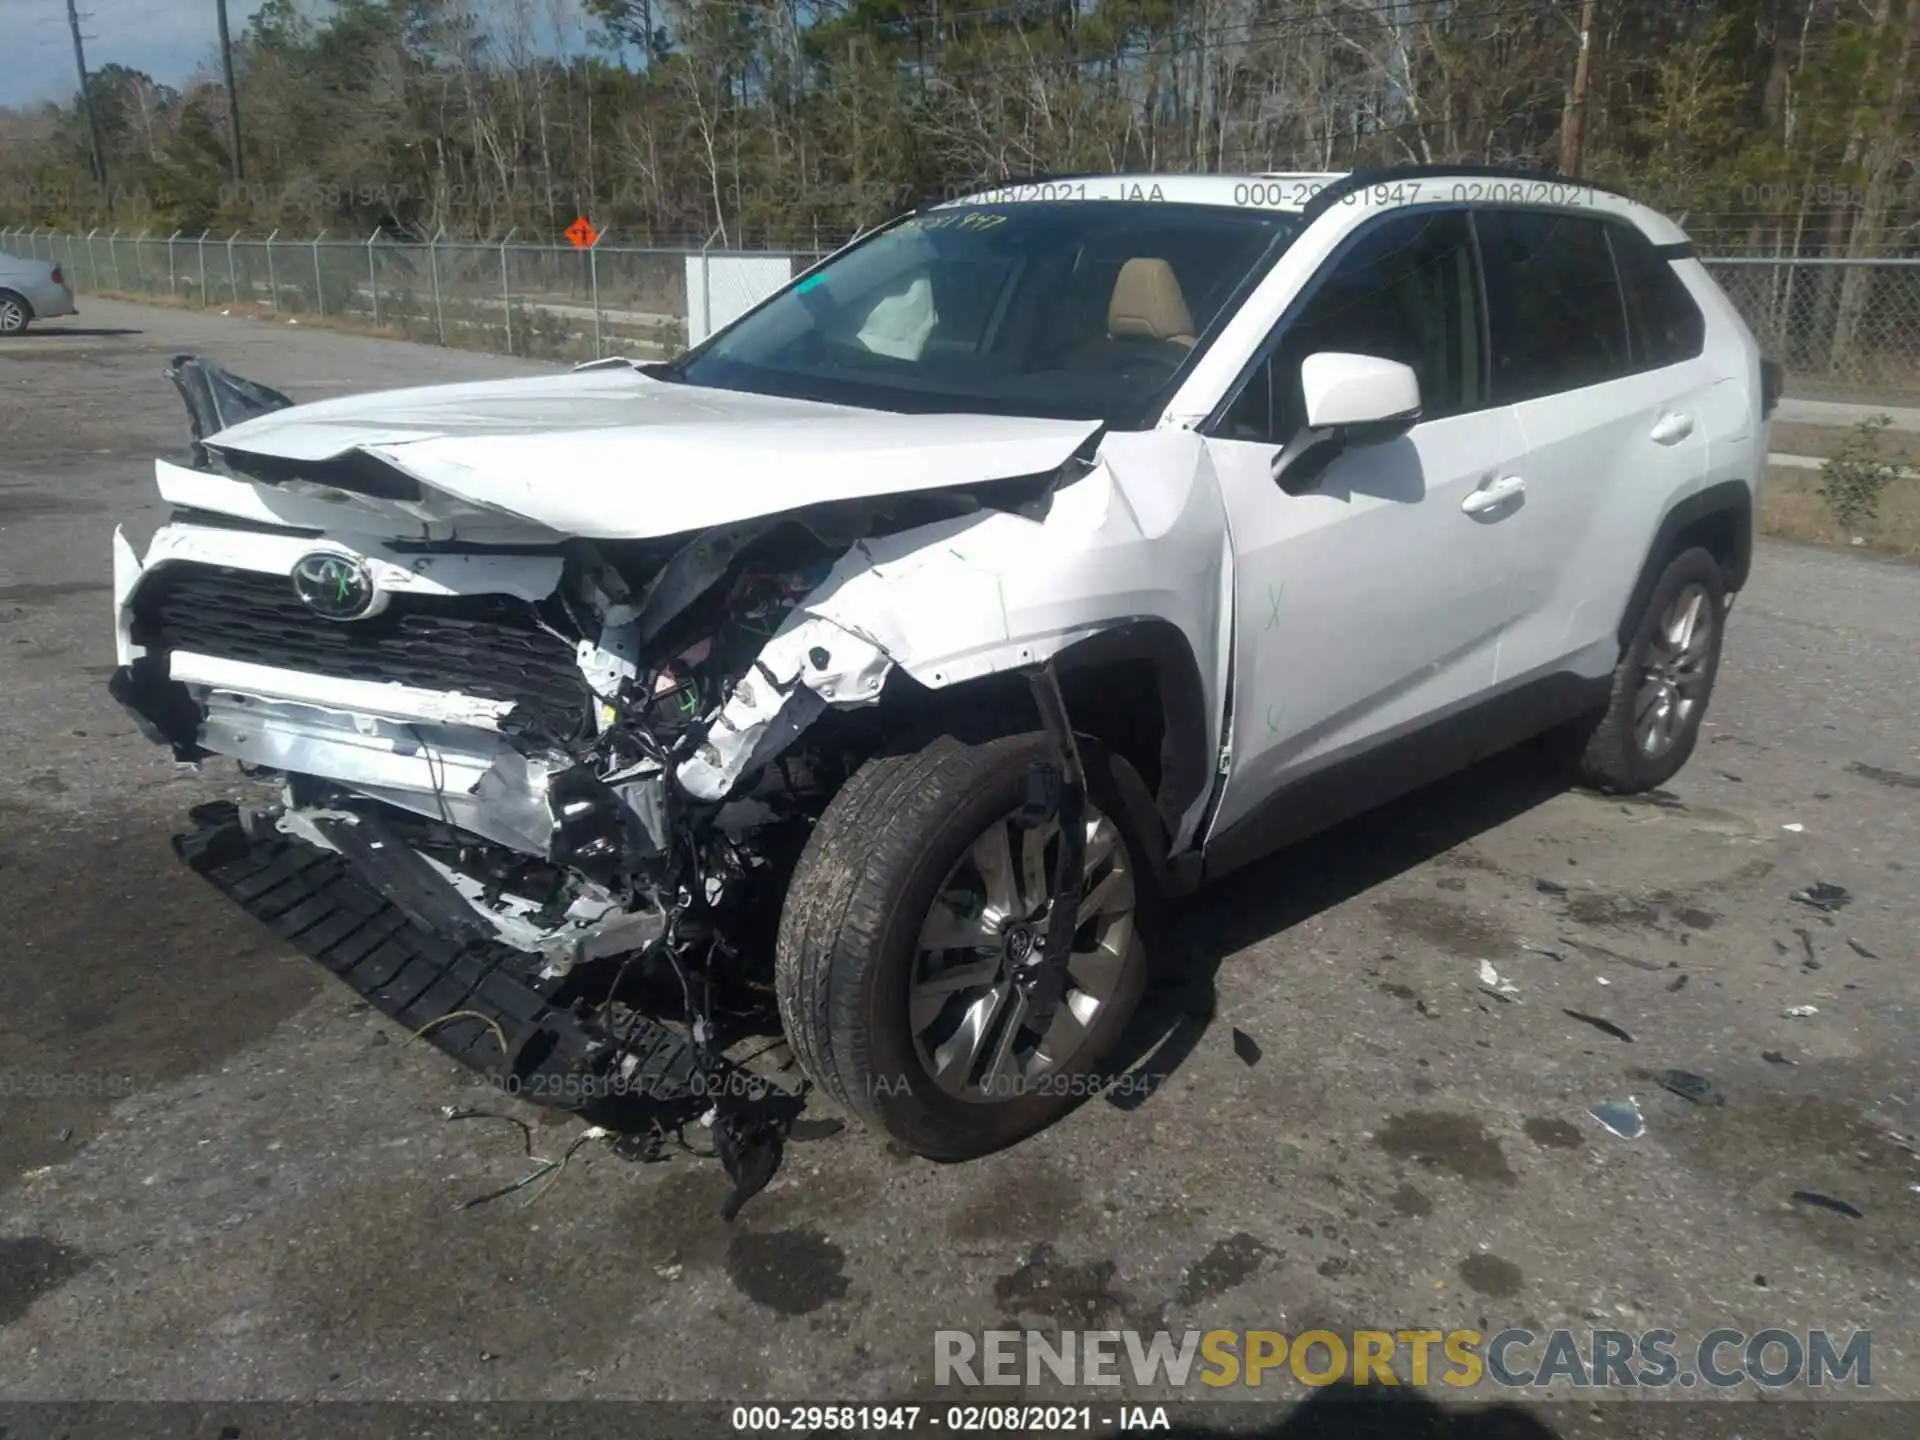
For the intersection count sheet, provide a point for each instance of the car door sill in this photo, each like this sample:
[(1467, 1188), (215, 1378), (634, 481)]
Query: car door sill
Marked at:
[(1382, 769)]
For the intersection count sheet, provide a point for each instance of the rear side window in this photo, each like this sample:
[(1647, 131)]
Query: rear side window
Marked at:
[(1667, 326), (1555, 312)]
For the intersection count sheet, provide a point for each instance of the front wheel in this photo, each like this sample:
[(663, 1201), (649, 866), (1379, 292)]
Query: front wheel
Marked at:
[(1661, 685), (911, 921), (13, 314)]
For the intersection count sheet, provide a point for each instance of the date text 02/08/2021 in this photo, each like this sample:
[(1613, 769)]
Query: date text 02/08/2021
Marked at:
[(955, 1419)]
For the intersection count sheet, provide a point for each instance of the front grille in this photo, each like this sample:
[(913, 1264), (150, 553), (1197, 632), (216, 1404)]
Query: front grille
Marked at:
[(491, 646)]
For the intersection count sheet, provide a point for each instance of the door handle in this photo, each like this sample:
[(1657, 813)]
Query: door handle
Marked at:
[(1498, 493), (1671, 429)]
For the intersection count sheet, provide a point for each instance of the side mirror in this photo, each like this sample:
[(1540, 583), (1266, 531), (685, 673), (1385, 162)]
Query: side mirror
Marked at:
[(1350, 400)]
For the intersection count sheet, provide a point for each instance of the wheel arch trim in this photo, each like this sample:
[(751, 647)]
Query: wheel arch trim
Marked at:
[(1728, 499)]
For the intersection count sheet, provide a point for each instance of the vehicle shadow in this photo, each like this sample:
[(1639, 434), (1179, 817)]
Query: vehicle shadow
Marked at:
[(1351, 1412), (1282, 890), (48, 331)]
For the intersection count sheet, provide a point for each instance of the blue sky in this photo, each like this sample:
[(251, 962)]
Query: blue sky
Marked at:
[(169, 39)]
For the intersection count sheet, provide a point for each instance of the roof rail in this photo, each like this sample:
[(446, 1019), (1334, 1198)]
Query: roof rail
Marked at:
[(1388, 174)]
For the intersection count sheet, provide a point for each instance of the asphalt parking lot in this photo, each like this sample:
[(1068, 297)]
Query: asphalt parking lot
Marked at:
[(222, 1178)]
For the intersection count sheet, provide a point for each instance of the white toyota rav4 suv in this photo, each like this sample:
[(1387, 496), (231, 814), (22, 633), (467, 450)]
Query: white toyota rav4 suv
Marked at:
[(884, 660)]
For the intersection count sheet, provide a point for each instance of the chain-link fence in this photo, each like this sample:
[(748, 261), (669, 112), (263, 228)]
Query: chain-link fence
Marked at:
[(553, 302), (1845, 328)]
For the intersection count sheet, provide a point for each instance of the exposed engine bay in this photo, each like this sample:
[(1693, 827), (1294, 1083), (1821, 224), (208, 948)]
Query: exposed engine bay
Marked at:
[(555, 785)]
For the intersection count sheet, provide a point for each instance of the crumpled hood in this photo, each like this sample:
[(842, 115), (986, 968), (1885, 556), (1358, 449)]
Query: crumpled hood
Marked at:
[(606, 452)]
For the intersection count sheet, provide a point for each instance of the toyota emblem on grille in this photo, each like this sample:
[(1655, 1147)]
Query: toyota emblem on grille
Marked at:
[(336, 586)]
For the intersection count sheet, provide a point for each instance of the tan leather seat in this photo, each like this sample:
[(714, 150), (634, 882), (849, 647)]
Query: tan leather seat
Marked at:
[(1147, 304)]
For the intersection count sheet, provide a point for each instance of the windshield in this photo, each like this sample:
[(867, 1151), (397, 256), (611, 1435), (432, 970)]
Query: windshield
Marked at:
[(1079, 310)]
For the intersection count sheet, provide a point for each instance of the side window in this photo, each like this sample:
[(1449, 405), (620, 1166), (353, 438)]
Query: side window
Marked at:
[(1667, 326), (1406, 290), (1555, 313)]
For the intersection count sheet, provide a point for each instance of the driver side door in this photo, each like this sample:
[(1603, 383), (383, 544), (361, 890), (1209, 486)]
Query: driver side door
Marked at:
[(1372, 605)]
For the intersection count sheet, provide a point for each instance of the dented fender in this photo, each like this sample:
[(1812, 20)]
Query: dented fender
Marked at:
[(1140, 536), (810, 664)]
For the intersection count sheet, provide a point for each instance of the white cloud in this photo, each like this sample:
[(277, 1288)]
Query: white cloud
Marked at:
[(169, 39)]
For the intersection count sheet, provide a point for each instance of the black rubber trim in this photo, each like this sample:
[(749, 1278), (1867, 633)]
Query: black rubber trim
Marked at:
[(1678, 250), (398, 874), (161, 708), (556, 1055), (1729, 497), (1185, 761)]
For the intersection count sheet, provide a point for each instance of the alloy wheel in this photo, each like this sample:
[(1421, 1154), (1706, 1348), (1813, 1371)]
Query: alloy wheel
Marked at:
[(967, 1007), (1673, 674)]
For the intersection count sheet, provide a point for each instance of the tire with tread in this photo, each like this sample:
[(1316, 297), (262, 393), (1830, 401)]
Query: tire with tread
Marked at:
[(858, 897), (1599, 748)]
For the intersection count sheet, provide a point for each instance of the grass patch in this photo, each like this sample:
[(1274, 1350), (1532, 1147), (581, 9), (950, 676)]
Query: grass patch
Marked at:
[(1820, 441), (1792, 508)]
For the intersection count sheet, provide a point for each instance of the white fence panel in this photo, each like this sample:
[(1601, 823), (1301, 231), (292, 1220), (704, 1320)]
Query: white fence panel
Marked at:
[(721, 288)]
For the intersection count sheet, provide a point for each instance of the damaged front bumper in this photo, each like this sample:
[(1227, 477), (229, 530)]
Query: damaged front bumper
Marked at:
[(467, 835), (468, 708), (536, 1036)]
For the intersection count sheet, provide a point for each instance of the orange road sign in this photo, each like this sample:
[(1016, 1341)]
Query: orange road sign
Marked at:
[(582, 233)]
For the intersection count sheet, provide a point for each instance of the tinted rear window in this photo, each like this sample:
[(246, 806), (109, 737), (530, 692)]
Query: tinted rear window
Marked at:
[(1667, 324), (1556, 317)]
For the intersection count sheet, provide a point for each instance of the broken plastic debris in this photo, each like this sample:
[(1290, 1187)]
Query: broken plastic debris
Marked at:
[(1491, 982), (1796, 828), (1822, 896), (1599, 1023), (1827, 1202), (1621, 1117), (1800, 1012), (1246, 1047), (1689, 1086)]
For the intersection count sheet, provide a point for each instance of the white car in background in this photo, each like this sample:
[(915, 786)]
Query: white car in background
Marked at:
[(881, 663), (31, 290)]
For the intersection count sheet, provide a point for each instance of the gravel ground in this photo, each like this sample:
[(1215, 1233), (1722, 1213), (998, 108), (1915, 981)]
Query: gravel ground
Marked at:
[(245, 1189)]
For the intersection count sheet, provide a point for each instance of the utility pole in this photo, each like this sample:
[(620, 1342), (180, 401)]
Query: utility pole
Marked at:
[(233, 96), (1573, 121), (86, 99)]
